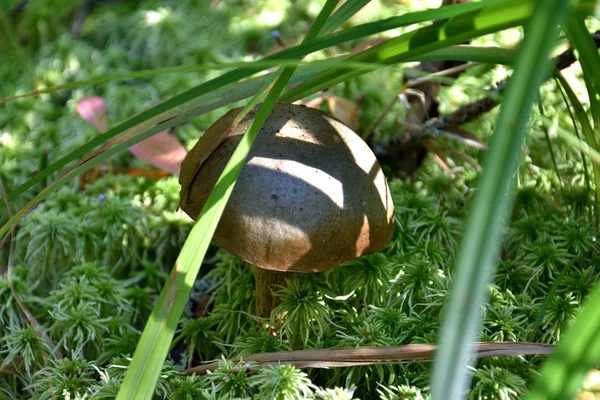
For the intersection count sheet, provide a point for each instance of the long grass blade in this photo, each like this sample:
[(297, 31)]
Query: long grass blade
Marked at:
[(446, 32), (480, 244), (151, 351), (588, 132), (492, 55), (586, 52)]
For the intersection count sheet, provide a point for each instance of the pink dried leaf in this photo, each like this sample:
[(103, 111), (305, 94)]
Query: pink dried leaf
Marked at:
[(93, 110), (161, 150)]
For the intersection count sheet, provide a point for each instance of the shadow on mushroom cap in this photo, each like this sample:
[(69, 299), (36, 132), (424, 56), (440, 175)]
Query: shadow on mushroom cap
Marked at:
[(310, 196)]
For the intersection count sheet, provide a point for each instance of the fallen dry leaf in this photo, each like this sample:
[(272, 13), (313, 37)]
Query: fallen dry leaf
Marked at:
[(162, 150), (93, 110)]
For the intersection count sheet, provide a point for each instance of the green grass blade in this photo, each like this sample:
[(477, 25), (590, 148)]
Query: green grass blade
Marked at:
[(475, 262), (444, 33), (587, 54), (577, 352), (343, 14), (485, 55), (176, 104), (492, 55), (578, 140), (586, 127), (574, 142), (152, 349)]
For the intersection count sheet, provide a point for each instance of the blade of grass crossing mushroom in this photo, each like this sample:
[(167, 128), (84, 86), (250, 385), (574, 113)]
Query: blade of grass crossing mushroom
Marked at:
[(143, 372), (578, 351), (192, 97), (140, 131), (479, 247)]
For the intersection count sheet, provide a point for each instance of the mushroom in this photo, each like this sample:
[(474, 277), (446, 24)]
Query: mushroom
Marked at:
[(310, 196)]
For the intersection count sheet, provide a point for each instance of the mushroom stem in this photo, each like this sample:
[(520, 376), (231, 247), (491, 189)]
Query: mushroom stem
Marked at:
[(267, 283)]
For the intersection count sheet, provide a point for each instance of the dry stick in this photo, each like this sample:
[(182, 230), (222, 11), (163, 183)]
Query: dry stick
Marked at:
[(431, 77), (470, 111), (28, 315), (410, 84), (465, 157), (439, 157), (348, 357)]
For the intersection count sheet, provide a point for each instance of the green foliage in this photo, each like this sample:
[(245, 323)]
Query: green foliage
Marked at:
[(259, 341), (231, 378), (390, 298), (282, 382), (497, 383), (303, 312), (400, 392), (89, 261), (27, 343), (198, 338), (65, 378)]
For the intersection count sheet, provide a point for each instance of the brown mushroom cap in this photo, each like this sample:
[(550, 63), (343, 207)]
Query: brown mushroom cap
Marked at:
[(310, 196)]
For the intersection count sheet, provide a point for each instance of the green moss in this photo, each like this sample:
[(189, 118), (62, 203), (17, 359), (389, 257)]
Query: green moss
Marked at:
[(90, 261)]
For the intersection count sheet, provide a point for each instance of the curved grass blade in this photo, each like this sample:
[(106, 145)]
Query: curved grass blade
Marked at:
[(573, 141), (588, 132), (444, 33), (587, 54), (480, 243), (577, 352), (492, 55), (578, 140), (151, 351)]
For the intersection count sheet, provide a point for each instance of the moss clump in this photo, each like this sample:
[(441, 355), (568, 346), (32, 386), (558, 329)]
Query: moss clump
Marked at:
[(89, 262)]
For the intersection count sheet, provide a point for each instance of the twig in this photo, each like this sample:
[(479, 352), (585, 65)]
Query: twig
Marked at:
[(446, 72), (348, 357), (466, 113), (411, 84)]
